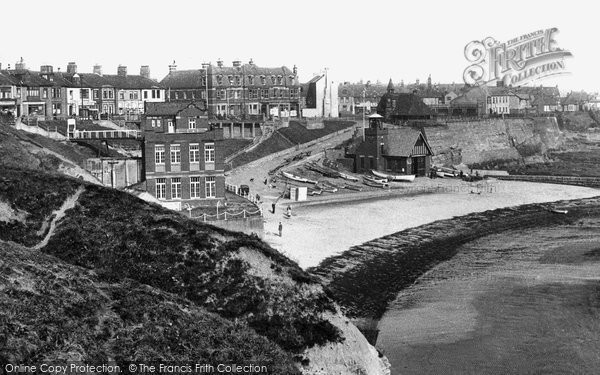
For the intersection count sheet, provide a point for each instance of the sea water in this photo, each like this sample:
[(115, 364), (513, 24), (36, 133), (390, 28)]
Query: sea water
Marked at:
[(525, 301)]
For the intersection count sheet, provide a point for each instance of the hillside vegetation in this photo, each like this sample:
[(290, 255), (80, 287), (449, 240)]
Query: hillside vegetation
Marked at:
[(127, 241), (51, 311)]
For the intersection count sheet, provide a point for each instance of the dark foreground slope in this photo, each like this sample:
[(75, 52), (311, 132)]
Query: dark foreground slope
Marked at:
[(54, 312), (120, 237)]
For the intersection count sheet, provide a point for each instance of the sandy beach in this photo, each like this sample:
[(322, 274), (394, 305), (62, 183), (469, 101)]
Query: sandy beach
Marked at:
[(315, 232)]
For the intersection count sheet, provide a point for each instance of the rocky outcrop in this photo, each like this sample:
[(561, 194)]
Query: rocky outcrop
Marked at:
[(483, 141)]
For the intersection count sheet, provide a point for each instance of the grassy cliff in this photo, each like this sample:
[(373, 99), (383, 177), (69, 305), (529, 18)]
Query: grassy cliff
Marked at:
[(127, 242)]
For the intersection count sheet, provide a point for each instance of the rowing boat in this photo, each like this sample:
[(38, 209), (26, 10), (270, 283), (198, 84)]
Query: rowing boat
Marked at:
[(348, 177), (376, 184), (375, 179), (298, 178), (353, 187), (391, 177)]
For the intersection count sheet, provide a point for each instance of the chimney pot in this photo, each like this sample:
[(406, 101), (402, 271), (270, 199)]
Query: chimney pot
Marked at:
[(71, 68), (98, 69), (220, 63), (145, 71), (122, 71), (172, 67), (236, 63)]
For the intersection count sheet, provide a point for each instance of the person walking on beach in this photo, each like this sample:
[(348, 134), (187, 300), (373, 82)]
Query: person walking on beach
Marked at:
[(280, 228), (289, 211), (273, 207)]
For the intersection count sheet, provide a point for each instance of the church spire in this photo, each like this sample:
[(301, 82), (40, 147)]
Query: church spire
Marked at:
[(390, 87)]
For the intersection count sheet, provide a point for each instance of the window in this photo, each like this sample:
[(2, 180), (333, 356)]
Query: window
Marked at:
[(263, 80), (209, 152), (279, 80), (194, 153), (131, 96), (230, 79), (210, 186), (71, 94), (56, 108), (250, 80), (122, 95), (85, 94), (45, 93), (33, 91), (194, 187), (175, 154), (56, 92), (145, 94), (192, 123), (154, 94), (176, 188), (219, 80), (221, 94), (272, 80), (275, 93), (161, 188), (237, 81), (265, 93), (293, 93), (96, 94), (159, 154)]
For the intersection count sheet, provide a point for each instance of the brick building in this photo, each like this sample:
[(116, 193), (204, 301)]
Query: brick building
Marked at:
[(183, 156), (240, 91)]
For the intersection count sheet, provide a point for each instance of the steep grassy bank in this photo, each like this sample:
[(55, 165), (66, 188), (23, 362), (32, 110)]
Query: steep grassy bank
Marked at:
[(366, 278), (120, 237), (51, 311)]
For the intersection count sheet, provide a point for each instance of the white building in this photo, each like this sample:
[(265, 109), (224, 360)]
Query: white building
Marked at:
[(321, 97)]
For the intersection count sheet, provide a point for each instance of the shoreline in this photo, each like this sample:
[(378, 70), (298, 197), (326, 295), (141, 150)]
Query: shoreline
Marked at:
[(367, 277)]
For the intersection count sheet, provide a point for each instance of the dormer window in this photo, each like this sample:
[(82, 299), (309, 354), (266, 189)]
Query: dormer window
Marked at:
[(273, 80), (263, 80), (279, 80), (237, 81), (250, 80), (230, 80), (219, 80)]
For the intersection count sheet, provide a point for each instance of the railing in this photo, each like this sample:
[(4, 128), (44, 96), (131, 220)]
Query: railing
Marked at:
[(225, 215), (107, 134)]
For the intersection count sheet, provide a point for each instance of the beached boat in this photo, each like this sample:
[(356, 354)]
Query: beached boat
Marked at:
[(348, 177), (391, 177), (298, 178), (375, 179), (376, 184), (558, 211), (326, 188), (352, 187), (314, 192)]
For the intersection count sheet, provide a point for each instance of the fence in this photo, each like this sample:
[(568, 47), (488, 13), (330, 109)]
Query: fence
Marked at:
[(228, 215), (564, 180)]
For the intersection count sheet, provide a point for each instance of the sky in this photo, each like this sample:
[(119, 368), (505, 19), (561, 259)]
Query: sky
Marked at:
[(371, 40)]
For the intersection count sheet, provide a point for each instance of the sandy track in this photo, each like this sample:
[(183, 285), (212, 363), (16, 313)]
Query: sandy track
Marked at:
[(57, 215)]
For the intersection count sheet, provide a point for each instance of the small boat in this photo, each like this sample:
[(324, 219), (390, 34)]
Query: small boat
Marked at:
[(348, 177), (314, 192), (391, 177), (376, 180), (558, 211), (376, 184), (440, 174), (352, 187), (326, 188), (298, 178)]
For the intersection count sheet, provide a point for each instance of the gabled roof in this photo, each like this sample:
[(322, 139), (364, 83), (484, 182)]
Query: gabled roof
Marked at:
[(406, 105), (401, 140), (6, 79), (576, 97), (184, 79), (170, 108)]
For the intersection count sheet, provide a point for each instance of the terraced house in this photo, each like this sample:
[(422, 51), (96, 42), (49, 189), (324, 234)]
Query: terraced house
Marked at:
[(50, 93), (240, 91), (183, 154)]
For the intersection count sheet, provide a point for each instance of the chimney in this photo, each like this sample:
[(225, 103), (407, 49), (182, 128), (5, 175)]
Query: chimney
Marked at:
[(220, 63), (237, 63), (20, 65), (46, 69), (172, 67), (71, 68), (251, 62), (122, 71), (98, 69), (295, 70), (145, 71)]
